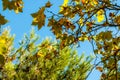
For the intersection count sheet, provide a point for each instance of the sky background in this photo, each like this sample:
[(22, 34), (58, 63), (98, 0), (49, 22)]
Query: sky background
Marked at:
[(21, 24)]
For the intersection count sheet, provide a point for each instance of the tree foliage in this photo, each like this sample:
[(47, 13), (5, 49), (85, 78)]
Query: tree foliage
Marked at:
[(15, 5), (97, 21), (43, 61)]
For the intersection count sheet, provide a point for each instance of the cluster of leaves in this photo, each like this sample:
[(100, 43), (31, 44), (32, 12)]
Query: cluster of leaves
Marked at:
[(109, 48), (15, 5), (44, 61), (6, 48), (76, 22), (101, 15), (97, 21)]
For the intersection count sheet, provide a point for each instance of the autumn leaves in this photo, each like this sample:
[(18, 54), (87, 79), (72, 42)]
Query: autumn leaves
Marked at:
[(85, 11), (15, 5), (99, 15)]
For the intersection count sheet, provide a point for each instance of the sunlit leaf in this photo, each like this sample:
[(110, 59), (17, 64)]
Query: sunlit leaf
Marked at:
[(83, 38), (94, 2), (64, 5), (81, 21), (100, 15), (40, 54)]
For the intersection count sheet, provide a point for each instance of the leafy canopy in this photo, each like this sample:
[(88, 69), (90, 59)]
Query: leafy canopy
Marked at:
[(95, 21), (42, 61)]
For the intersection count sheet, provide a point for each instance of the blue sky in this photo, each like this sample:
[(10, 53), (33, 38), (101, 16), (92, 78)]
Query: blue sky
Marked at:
[(21, 24)]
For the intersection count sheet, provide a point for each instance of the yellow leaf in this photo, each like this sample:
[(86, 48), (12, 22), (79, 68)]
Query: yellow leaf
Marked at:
[(115, 47), (40, 54), (81, 21), (100, 15), (94, 2), (83, 38), (18, 6), (2, 44), (16, 11), (2, 41), (64, 5), (35, 19), (65, 2)]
